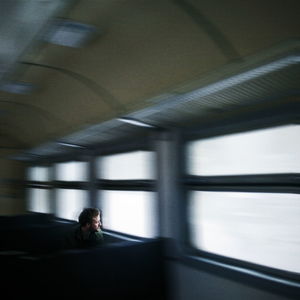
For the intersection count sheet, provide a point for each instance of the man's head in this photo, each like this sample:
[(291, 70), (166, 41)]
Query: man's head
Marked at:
[(89, 219)]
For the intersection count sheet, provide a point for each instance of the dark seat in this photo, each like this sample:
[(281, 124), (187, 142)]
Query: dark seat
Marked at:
[(125, 270), (34, 263)]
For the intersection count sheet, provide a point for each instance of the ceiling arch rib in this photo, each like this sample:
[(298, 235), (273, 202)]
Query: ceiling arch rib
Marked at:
[(21, 24), (10, 142), (100, 91), (41, 112), (221, 41)]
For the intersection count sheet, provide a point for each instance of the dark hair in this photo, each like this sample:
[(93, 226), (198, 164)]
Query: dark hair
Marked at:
[(87, 215)]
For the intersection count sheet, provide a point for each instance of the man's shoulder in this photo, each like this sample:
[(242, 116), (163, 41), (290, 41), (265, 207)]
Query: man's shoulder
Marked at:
[(72, 228), (96, 238), (72, 234), (97, 235)]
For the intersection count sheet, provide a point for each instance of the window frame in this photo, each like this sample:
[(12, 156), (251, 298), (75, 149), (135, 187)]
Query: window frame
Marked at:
[(263, 276), (36, 184), (148, 185), (92, 185), (54, 184)]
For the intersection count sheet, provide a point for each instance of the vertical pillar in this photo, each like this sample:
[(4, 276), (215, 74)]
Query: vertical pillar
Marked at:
[(92, 180), (168, 148)]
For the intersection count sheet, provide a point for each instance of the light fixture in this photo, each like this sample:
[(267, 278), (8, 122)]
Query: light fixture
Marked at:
[(70, 145), (136, 122), (16, 87), (69, 33)]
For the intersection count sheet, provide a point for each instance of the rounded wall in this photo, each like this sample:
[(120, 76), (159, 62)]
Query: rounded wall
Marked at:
[(12, 175)]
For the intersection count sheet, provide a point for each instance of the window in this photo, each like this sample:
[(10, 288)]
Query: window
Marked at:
[(70, 196), (126, 166), (70, 202), (131, 212), (39, 200), (38, 192), (127, 197), (267, 151), (65, 196), (250, 218), (38, 174), (257, 227), (72, 171)]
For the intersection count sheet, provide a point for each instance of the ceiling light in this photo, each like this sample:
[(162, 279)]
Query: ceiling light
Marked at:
[(69, 33), (70, 145), (17, 87), (135, 122)]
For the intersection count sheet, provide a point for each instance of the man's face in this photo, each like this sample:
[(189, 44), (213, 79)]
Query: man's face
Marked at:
[(96, 223)]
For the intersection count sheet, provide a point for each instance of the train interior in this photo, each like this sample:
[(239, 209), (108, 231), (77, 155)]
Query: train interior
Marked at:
[(179, 120)]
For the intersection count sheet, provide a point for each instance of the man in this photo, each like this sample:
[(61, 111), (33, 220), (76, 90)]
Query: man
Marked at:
[(88, 233)]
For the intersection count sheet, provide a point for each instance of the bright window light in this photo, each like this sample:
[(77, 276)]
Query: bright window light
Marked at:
[(131, 212), (39, 200), (130, 165), (261, 228), (267, 151), (72, 171), (38, 173), (69, 203)]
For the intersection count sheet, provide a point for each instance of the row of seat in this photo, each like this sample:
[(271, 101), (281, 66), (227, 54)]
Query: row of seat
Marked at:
[(35, 268)]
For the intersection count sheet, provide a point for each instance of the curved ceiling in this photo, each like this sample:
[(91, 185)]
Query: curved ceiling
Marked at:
[(142, 52)]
